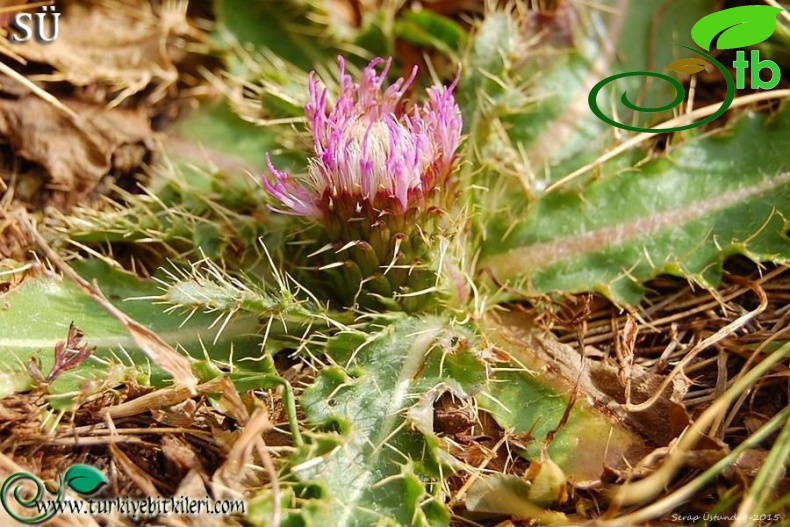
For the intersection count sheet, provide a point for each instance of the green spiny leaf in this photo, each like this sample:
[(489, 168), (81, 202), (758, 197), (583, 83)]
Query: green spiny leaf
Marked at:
[(682, 214), (383, 471), (40, 309), (526, 84)]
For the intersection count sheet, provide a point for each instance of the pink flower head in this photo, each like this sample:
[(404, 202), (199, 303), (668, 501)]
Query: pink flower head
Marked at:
[(370, 153)]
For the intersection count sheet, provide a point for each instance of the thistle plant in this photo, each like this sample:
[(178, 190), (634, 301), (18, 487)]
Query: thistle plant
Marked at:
[(520, 400), (377, 187)]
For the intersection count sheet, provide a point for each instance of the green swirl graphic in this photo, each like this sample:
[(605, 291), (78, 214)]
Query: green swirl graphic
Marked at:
[(17, 479), (680, 96)]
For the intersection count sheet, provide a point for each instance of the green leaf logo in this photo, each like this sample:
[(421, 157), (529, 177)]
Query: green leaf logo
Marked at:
[(84, 479), (737, 27)]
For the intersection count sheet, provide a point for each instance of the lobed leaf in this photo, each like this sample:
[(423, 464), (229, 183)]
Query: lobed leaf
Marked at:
[(382, 471)]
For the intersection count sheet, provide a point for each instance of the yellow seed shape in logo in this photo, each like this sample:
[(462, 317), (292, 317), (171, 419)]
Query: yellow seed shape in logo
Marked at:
[(51, 486), (689, 66)]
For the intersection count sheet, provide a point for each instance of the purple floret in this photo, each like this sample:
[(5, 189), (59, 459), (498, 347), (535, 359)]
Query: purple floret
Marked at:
[(369, 153)]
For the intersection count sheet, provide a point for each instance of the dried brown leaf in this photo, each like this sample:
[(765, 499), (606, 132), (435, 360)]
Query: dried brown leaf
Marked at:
[(14, 243), (70, 353), (454, 415), (663, 421), (229, 402), (138, 51), (148, 402), (76, 154), (193, 486), (179, 415), (231, 475)]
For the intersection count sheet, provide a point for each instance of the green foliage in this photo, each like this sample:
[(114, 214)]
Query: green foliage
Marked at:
[(282, 27), (40, 309), (682, 214), (206, 203), (525, 87), (425, 28), (382, 470), (222, 139), (524, 403)]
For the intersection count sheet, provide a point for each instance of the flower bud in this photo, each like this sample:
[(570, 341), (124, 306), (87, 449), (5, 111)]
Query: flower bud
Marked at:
[(379, 176)]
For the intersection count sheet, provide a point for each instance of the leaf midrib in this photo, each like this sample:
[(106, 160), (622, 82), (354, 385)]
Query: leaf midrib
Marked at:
[(529, 259)]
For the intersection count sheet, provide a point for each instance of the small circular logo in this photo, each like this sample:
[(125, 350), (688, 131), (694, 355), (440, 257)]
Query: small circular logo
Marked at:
[(691, 65), (16, 495), (12, 497), (736, 27)]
